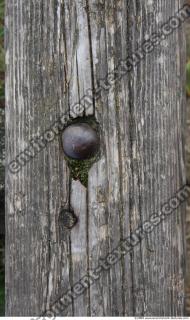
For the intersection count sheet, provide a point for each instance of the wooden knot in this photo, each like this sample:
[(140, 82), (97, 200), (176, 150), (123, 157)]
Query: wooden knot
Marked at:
[(67, 219)]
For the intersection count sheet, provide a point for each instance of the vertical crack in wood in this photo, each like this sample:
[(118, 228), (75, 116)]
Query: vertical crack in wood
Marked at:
[(70, 249), (131, 177), (91, 53), (120, 173), (63, 34), (138, 11), (48, 234), (78, 80), (88, 251), (121, 209)]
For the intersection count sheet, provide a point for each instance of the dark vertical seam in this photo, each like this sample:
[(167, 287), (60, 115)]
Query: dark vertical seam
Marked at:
[(67, 86), (63, 24), (70, 249), (121, 208), (109, 246), (140, 198), (183, 263), (88, 251), (49, 227), (55, 6), (78, 80), (91, 53), (87, 191), (131, 179)]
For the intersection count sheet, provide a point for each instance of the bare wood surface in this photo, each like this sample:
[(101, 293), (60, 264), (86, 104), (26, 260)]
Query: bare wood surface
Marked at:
[(55, 51), (187, 280)]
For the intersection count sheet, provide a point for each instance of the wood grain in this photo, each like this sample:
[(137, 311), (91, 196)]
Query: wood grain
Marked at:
[(55, 51)]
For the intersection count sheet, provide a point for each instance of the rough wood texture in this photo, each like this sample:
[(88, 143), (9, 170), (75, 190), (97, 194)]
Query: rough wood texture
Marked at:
[(2, 171), (187, 280), (55, 51)]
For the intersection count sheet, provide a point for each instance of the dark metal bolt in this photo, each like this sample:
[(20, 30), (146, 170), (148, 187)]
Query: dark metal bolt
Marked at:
[(80, 141)]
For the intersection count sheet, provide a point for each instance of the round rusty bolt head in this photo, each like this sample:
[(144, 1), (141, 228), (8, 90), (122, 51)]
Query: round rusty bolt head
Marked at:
[(80, 141)]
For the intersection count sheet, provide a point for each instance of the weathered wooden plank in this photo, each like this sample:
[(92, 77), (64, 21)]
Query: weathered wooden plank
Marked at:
[(56, 50), (104, 33), (143, 104), (39, 254)]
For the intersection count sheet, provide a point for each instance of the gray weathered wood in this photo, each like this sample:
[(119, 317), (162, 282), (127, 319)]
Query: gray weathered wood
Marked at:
[(55, 51)]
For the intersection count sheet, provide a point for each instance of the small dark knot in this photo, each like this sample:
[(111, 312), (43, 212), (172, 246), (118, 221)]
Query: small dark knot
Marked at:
[(67, 219)]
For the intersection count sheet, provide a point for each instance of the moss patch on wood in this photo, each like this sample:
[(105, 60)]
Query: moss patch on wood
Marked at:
[(79, 169)]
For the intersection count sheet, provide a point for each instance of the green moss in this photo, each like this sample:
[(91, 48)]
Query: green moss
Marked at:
[(79, 168)]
